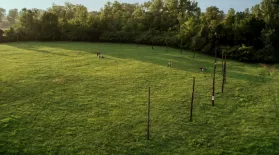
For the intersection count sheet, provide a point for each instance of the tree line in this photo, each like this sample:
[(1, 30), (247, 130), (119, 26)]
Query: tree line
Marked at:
[(250, 35)]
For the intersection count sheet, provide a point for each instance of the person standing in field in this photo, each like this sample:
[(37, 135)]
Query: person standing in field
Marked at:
[(100, 55), (170, 64)]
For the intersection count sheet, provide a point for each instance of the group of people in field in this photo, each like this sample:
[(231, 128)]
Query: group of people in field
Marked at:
[(201, 68), (100, 55), (170, 64)]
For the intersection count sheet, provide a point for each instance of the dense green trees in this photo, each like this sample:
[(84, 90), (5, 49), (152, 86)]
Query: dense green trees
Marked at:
[(250, 35)]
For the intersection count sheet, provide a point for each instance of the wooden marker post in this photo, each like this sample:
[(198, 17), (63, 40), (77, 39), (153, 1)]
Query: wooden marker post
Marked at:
[(223, 82), (148, 116), (225, 69), (222, 62), (223, 72), (192, 102), (213, 88)]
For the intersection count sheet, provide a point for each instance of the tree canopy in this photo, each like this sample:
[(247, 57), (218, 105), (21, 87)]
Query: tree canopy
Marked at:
[(248, 35)]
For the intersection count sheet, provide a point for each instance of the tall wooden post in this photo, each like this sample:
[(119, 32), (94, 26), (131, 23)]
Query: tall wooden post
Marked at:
[(225, 69), (148, 116), (222, 62), (223, 82), (223, 72), (213, 88), (192, 102)]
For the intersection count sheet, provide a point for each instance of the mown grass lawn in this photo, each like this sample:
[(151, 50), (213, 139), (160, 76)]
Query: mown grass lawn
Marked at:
[(60, 98)]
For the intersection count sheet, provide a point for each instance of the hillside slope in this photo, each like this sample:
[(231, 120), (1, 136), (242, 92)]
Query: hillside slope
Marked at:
[(61, 98)]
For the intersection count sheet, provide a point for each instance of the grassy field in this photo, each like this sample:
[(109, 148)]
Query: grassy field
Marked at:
[(59, 98)]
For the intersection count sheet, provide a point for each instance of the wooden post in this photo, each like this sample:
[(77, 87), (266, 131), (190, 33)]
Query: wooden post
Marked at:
[(223, 72), (148, 116), (222, 62), (225, 69), (223, 82), (192, 102), (213, 88), (215, 55), (194, 52)]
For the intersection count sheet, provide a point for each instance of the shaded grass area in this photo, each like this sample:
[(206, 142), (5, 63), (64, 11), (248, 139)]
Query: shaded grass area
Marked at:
[(59, 98)]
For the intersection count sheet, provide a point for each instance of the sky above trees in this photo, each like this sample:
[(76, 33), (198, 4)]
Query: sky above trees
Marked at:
[(238, 5)]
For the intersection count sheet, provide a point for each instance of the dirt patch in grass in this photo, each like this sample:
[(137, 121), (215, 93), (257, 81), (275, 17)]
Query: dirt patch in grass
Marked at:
[(58, 80)]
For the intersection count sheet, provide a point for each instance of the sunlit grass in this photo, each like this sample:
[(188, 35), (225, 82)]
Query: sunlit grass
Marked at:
[(60, 98)]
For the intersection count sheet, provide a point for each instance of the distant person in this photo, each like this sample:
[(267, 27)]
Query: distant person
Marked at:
[(101, 55), (170, 64), (202, 69)]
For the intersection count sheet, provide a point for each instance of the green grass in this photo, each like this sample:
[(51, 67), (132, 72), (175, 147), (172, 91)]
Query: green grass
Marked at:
[(59, 98)]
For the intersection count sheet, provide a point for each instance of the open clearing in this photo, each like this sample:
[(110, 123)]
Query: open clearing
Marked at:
[(60, 98)]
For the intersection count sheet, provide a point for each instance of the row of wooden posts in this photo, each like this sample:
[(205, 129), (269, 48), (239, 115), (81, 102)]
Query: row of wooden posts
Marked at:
[(224, 70)]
